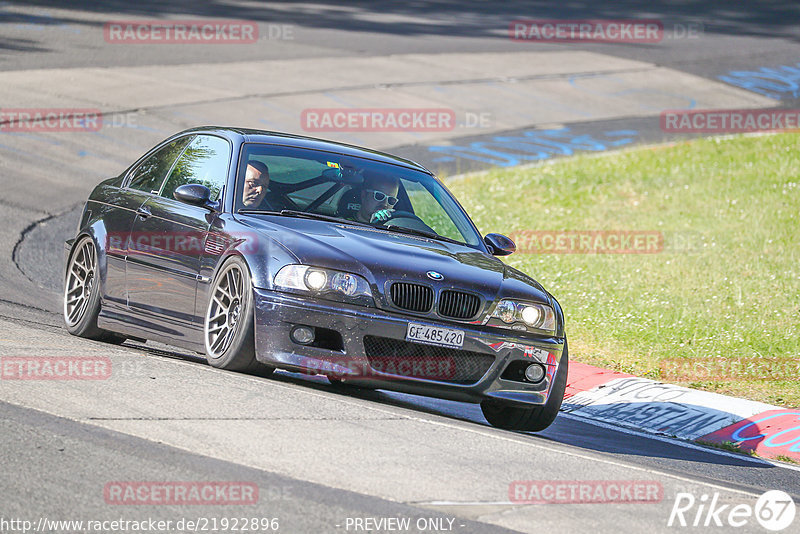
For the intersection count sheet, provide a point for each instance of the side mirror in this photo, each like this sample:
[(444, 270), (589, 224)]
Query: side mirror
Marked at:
[(499, 245), (194, 194)]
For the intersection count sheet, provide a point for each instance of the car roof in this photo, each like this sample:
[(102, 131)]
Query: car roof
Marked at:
[(286, 139)]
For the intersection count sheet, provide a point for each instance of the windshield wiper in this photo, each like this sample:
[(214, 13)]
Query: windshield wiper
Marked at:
[(305, 215), (248, 211), (420, 233)]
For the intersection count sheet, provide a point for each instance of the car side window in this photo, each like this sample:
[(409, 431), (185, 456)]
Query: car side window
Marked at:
[(205, 161), (149, 175)]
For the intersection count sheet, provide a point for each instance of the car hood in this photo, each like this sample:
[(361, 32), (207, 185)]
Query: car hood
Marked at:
[(381, 256)]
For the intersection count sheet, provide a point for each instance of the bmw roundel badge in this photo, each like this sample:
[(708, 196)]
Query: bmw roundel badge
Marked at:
[(433, 275)]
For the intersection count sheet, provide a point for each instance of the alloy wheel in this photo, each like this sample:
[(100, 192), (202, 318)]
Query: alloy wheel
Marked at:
[(224, 311), (81, 278)]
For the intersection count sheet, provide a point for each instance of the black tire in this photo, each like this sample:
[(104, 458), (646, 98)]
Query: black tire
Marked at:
[(82, 291), (534, 419), (235, 351)]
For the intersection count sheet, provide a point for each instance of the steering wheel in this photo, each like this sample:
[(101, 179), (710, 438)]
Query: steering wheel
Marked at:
[(406, 219)]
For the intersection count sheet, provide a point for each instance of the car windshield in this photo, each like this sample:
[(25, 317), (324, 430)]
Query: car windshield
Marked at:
[(290, 180)]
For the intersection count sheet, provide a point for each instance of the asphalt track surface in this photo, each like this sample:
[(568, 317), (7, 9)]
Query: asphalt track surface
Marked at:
[(319, 455)]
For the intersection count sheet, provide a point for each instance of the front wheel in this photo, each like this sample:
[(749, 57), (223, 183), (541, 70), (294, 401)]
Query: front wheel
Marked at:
[(537, 418), (228, 328), (82, 291)]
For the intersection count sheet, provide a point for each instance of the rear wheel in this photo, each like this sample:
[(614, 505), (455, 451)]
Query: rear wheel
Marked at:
[(530, 419), (82, 292), (229, 330)]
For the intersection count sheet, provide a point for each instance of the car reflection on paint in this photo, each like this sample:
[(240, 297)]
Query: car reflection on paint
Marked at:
[(194, 247)]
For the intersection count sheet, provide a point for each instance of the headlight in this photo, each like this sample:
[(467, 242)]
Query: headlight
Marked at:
[(326, 283), (507, 311), (539, 316)]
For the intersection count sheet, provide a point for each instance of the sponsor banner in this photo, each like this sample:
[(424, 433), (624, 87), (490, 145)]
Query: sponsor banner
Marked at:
[(771, 433), (50, 120), (180, 493), (586, 30), (585, 491), (729, 120), (55, 368), (661, 408), (180, 32), (378, 120)]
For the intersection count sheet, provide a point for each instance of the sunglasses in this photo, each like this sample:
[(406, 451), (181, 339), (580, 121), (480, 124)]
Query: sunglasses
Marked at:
[(380, 196)]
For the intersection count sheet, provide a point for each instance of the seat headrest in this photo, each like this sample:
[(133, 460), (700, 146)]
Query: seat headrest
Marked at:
[(349, 203)]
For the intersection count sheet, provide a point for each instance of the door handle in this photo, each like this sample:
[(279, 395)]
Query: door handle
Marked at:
[(143, 212)]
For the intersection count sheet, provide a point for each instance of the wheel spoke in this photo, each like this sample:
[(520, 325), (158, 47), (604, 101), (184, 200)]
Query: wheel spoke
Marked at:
[(220, 303), (218, 327), (219, 341), (77, 287), (77, 312), (229, 337), (224, 293), (237, 284), (231, 284), (89, 253), (217, 316)]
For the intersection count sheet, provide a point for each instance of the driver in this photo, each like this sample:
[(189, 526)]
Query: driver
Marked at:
[(256, 182), (378, 197)]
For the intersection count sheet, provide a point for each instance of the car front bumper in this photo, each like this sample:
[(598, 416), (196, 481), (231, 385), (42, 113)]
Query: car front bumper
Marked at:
[(477, 371)]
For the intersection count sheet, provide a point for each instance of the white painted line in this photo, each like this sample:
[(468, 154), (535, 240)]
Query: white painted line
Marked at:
[(478, 503)]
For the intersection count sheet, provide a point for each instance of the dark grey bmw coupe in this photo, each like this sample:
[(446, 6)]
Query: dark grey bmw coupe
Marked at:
[(265, 250)]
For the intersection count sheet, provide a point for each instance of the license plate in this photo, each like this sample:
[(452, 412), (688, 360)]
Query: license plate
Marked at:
[(435, 335)]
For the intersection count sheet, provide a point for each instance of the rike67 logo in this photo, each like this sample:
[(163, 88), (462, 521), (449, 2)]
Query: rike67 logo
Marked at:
[(774, 511)]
